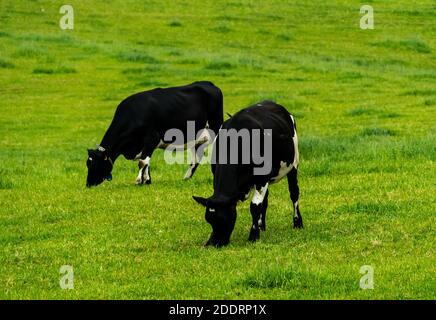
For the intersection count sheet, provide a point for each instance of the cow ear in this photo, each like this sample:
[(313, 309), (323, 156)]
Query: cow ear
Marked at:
[(200, 200)]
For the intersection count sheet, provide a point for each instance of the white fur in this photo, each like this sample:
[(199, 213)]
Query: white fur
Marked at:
[(189, 172), (213, 142), (143, 163), (258, 196), (195, 160), (283, 171), (296, 152), (147, 170), (139, 177), (295, 209), (204, 137), (284, 168)]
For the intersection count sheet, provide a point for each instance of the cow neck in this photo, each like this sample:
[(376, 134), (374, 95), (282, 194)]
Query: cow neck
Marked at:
[(115, 138), (112, 147), (226, 182), (112, 151)]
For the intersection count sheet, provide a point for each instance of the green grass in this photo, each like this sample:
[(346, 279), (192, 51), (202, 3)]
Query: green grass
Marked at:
[(6, 64), (416, 45), (364, 101), (57, 69)]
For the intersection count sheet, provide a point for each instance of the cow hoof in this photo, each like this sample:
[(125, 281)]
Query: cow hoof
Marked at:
[(207, 244), (298, 223), (254, 235), (139, 182), (213, 242), (148, 181)]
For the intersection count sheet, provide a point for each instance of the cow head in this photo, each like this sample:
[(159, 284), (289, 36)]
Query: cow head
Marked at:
[(99, 167), (221, 215)]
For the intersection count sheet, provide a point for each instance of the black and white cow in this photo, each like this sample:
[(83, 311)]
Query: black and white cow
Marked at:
[(234, 182), (141, 121)]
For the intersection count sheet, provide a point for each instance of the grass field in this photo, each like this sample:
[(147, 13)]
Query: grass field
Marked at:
[(364, 100)]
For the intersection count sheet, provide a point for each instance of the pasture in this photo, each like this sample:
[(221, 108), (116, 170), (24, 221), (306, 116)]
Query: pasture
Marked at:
[(365, 105)]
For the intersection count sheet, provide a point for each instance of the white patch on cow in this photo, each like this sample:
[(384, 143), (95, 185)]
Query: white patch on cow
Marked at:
[(204, 137), (139, 177), (259, 222), (211, 210), (296, 209), (283, 171), (195, 161), (284, 168), (259, 195), (147, 169), (138, 156), (142, 164), (296, 152), (221, 127), (188, 173)]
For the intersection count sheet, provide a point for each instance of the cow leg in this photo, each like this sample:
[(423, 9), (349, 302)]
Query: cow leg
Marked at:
[(258, 210), (295, 193), (150, 144), (262, 223), (197, 154), (144, 171), (195, 162)]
